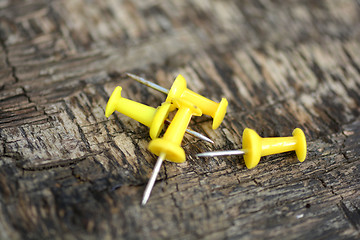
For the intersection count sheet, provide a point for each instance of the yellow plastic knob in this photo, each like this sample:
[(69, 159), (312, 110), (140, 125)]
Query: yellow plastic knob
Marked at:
[(256, 147), (170, 143), (215, 110), (151, 117)]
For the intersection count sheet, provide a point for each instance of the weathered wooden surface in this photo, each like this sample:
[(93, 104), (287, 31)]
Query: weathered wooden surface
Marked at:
[(67, 172)]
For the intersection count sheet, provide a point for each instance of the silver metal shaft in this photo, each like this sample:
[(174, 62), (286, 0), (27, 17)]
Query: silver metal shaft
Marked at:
[(152, 179), (194, 133), (148, 83), (222, 153)]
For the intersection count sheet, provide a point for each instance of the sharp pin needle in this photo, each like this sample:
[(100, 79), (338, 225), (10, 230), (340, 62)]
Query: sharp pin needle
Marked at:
[(221, 153), (152, 179), (148, 83), (194, 133)]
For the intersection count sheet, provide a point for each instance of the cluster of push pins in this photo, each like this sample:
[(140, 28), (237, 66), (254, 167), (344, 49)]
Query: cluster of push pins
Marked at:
[(189, 104)]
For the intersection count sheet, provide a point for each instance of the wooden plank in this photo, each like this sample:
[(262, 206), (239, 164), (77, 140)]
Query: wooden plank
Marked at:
[(68, 172)]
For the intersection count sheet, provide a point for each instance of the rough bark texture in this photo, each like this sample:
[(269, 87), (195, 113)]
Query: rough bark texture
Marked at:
[(67, 172)]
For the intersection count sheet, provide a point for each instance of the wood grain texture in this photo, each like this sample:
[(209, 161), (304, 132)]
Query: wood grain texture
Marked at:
[(67, 172)]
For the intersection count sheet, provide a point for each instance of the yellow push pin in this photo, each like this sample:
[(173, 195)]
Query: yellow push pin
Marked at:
[(153, 118), (255, 147), (179, 90), (169, 146)]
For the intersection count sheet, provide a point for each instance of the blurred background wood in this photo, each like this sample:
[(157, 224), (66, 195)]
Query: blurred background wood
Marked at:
[(67, 172)]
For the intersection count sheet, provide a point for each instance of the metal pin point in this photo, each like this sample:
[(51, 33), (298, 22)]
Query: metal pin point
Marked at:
[(152, 179), (148, 83), (222, 153)]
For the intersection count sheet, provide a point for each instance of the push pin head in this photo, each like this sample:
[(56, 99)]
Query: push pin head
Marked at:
[(179, 90), (207, 106), (112, 103), (171, 141), (154, 118), (255, 147)]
